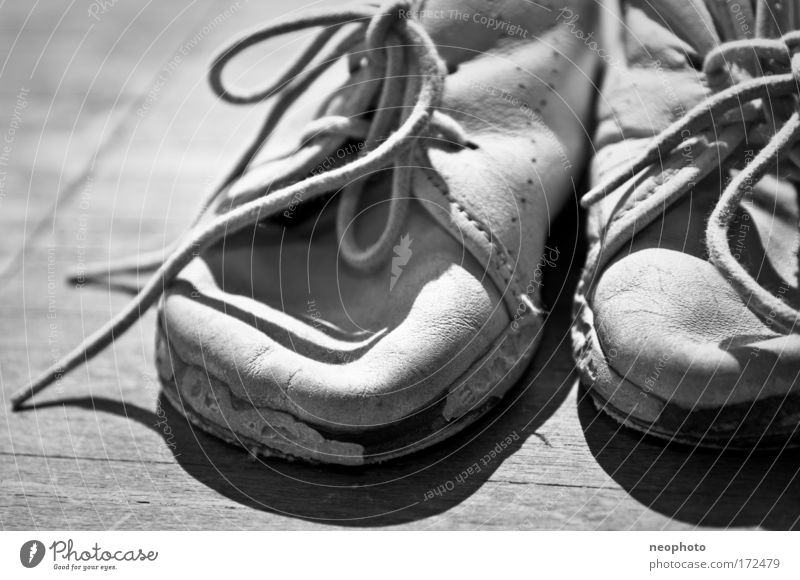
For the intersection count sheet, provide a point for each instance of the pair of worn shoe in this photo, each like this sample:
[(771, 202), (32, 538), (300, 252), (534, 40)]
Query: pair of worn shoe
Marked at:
[(377, 289)]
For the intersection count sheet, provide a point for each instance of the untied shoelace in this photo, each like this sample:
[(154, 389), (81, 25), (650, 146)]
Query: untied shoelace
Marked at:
[(400, 55), (757, 97)]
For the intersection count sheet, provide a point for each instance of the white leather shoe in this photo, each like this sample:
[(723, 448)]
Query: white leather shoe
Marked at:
[(376, 290), (687, 324)]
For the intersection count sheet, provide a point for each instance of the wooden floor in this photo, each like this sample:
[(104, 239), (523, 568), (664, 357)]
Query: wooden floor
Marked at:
[(109, 147)]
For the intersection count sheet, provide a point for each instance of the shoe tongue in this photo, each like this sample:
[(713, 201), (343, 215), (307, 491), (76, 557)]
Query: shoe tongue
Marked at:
[(734, 19), (466, 29), (774, 18), (689, 20), (704, 24), (745, 19)]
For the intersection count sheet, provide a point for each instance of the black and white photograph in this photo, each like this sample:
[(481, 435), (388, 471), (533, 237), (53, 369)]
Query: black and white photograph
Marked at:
[(472, 266)]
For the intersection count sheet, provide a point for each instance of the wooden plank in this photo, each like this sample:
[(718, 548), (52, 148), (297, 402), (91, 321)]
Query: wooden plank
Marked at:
[(72, 84), (577, 470), (79, 496)]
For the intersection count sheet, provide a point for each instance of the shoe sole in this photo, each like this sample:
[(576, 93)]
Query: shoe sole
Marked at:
[(768, 424), (208, 404)]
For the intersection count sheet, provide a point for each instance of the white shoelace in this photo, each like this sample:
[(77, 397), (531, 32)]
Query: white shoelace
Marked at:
[(761, 106), (400, 54)]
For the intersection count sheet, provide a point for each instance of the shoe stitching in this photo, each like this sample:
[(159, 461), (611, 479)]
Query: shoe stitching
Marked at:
[(499, 257)]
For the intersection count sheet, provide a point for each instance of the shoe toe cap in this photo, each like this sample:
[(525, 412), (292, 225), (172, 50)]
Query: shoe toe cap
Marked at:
[(671, 324), (338, 380)]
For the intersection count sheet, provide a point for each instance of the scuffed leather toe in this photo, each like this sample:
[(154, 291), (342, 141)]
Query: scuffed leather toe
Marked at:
[(333, 348), (678, 330), (370, 319), (677, 334)]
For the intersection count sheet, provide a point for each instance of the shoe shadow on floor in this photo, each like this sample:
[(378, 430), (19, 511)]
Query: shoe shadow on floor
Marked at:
[(400, 491), (701, 487), (407, 489), (421, 485)]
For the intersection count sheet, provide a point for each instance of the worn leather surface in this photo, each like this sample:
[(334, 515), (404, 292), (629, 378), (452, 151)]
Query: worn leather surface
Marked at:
[(667, 320), (279, 317)]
